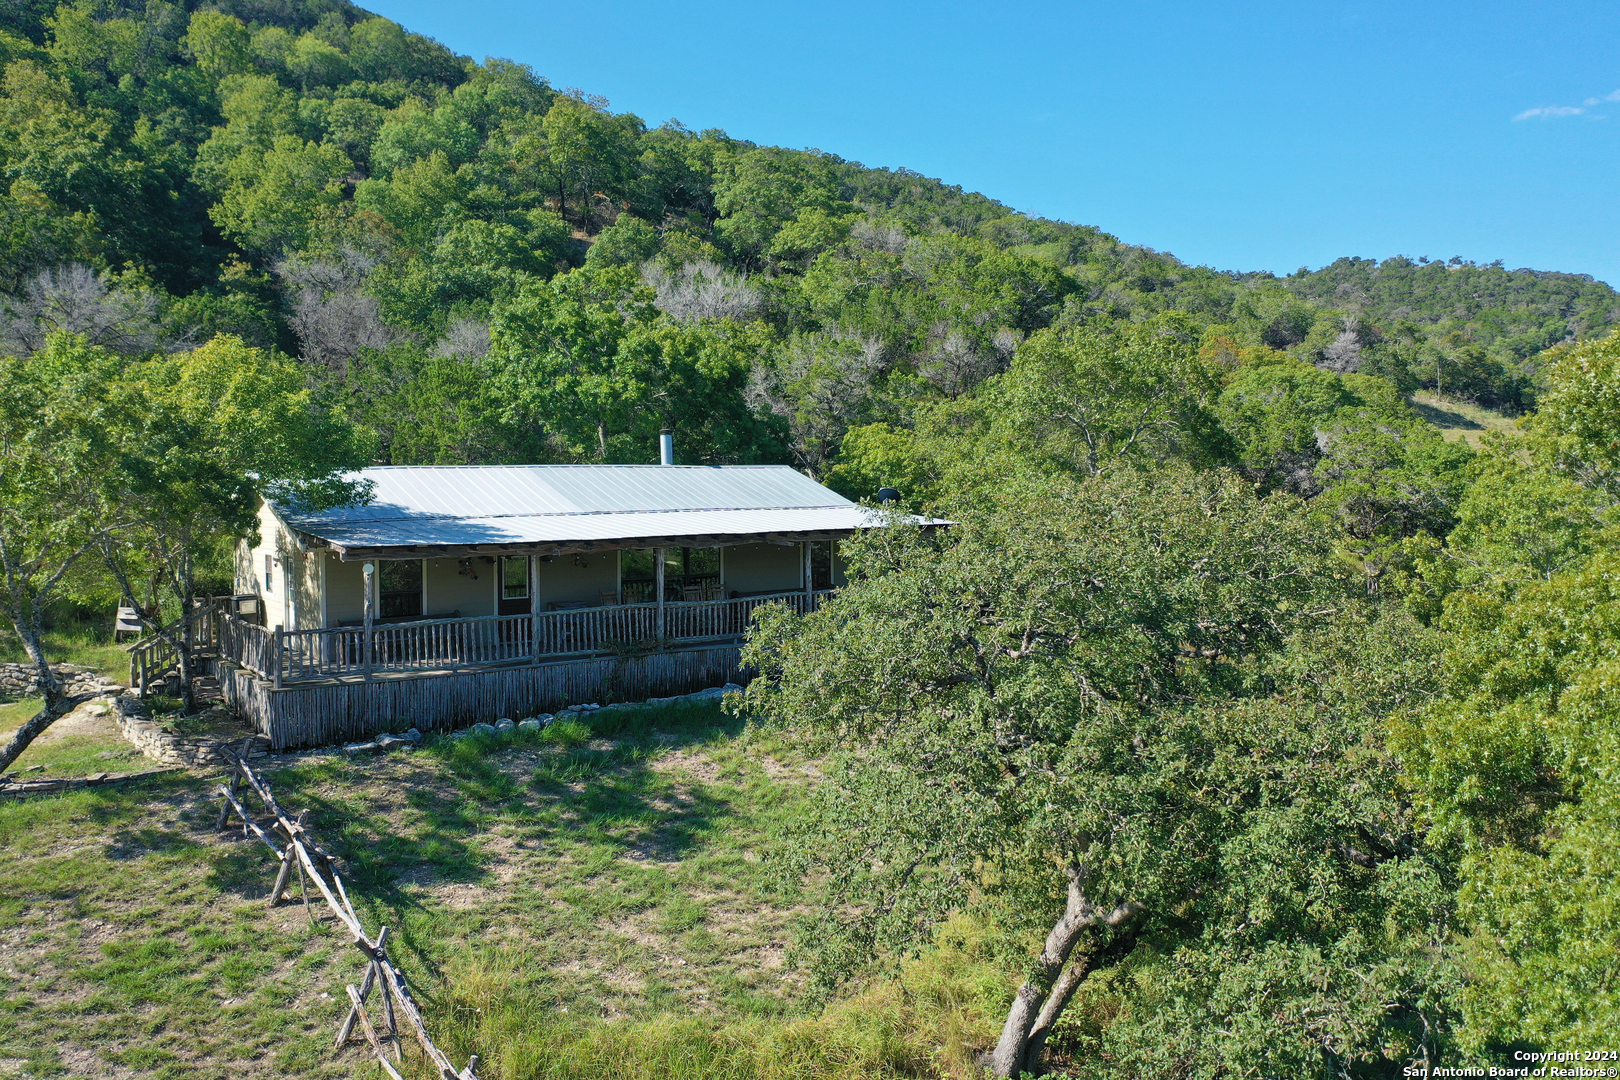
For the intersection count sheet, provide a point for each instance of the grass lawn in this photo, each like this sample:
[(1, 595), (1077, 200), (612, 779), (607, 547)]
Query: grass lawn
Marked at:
[(79, 744), (578, 902), (88, 645), (1461, 420)]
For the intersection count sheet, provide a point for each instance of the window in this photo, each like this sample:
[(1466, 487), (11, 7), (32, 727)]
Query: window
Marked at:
[(399, 587), (269, 573), (687, 572), (821, 564), (515, 577)]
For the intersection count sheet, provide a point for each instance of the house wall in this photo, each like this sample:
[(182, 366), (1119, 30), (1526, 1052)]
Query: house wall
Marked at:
[(563, 580), (345, 591), (754, 568), (448, 590), (293, 600)]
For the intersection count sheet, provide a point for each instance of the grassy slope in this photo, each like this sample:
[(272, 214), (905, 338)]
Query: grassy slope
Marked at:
[(575, 903), (1459, 419)]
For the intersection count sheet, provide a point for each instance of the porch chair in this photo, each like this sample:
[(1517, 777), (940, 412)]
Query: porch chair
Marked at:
[(127, 622)]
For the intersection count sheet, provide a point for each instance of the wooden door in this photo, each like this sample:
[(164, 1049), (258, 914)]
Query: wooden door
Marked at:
[(515, 583)]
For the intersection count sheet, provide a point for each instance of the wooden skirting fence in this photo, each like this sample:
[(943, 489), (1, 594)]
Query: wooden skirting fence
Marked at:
[(302, 855), (344, 710)]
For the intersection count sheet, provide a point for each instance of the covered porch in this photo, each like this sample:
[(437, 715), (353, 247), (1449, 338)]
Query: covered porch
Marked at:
[(405, 647)]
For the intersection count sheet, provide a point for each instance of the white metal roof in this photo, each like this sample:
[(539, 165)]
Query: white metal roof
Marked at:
[(509, 506)]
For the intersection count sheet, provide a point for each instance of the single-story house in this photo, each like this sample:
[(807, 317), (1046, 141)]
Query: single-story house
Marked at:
[(459, 593), (471, 541)]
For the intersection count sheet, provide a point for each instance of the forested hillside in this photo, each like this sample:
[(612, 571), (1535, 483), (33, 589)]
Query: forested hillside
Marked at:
[(1285, 723), (483, 268)]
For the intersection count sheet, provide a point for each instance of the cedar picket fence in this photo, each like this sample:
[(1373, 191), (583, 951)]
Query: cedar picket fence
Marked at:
[(304, 856)]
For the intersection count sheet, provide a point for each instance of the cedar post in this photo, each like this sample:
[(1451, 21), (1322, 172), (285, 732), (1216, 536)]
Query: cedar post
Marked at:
[(809, 594), (370, 577), (275, 660), (658, 587), (225, 804), (288, 857), (373, 974), (534, 605)]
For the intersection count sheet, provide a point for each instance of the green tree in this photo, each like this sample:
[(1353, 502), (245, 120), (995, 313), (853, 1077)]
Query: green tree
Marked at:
[(1105, 394), (61, 432), (219, 43), (589, 153), (271, 198), (224, 425), (1076, 716), (1576, 430), (629, 241), (1515, 759), (1274, 413), (588, 358)]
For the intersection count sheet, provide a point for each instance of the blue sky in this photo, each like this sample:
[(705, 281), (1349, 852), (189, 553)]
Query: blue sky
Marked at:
[(1261, 136)]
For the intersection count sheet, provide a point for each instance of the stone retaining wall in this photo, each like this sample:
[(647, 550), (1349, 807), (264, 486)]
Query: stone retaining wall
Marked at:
[(19, 680), (135, 721)]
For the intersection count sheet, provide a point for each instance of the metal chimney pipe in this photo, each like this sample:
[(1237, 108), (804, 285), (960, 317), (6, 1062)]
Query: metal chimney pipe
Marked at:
[(666, 447)]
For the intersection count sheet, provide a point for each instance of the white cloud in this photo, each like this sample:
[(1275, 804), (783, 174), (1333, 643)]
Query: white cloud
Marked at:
[(1549, 111), (1613, 95)]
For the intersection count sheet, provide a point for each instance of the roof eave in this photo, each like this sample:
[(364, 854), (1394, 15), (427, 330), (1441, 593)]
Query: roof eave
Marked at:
[(359, 552)]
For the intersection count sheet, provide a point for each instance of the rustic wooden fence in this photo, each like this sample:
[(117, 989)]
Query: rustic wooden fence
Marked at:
[(301, 855), (323, 713)]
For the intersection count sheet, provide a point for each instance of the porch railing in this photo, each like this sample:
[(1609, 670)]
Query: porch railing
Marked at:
[(284, 656)]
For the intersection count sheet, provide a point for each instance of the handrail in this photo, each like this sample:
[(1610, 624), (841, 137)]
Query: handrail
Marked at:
[(156, 635), (152, 657), (423, 645)]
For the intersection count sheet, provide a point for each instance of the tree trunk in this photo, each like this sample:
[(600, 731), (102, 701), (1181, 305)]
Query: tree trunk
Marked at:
[(56, 707), (1041, 999), (1057, 1000), (183, 660), (56, 703)]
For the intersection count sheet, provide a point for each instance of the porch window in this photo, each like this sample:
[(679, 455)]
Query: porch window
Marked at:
[(399, 588), (269, 573), (515, 577), (689, 574)]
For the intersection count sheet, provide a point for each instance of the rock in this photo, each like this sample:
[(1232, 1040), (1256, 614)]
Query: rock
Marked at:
[(530, 725), (482, 729), (413, 735), (354, 750), (504, 725), (394, 742), (546, 719)]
